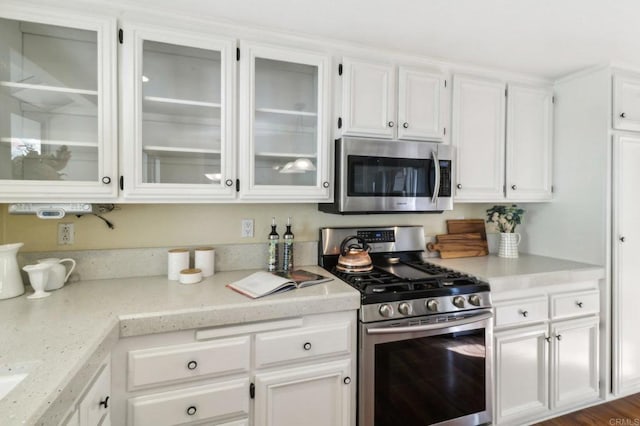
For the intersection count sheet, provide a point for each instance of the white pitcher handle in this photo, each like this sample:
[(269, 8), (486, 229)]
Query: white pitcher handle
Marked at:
[(73, 266), (518, 239)]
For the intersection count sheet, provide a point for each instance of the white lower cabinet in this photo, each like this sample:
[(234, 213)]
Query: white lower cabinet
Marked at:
[(282, 372), (92, 408), (316, 395), (546, 364)]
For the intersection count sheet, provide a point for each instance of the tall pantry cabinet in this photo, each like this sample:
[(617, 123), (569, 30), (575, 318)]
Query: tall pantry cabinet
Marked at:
[(592, 219)]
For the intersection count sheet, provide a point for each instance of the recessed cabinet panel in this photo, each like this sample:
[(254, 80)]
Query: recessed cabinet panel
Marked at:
[(529, 137), (626, 102), (56, 125), (420, 105), (178, 112), (368, 99), (478, 135), (626, 252), (284, 141)]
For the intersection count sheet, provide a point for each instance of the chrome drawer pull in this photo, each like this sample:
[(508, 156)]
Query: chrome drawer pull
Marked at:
[(191, 410), (307, 346), (192, 365)]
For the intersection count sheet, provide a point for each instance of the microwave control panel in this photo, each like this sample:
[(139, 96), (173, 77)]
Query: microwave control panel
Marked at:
[(445, 178)]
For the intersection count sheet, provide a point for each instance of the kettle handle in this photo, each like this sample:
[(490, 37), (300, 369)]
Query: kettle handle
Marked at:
[(344, 247), (73, 266)]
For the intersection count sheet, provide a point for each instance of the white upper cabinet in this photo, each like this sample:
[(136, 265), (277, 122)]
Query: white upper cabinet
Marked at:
[(529, 139), (368, 98), (284, 128), (177, 93), (57, 91), (478, 135), (494, 168), (626, 101), (375, 105)]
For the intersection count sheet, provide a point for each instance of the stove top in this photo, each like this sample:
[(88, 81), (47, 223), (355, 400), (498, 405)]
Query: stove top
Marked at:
[(402, 283)]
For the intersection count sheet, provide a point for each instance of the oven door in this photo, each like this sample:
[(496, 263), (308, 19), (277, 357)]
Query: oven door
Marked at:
[(428, 370)]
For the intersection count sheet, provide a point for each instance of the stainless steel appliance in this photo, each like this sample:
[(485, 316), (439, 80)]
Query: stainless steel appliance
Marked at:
[(424, 333), (384, 176)]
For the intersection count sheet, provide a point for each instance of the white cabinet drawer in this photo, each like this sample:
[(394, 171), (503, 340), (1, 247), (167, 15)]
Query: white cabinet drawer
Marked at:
[(575, 304), (303, 343), (194, 404), (168, 364), (524, 311)]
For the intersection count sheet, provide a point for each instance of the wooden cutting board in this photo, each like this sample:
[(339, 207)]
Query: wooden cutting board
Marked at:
[(463, 226), (466, 238)]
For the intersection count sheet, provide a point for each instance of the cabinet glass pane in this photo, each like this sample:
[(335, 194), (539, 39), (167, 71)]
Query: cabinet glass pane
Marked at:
[(181, 106), (286, 123), (49, 97)]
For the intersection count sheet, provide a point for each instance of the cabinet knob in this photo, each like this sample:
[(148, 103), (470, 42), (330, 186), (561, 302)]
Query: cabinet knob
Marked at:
[(106, 180), (579, 304), (192, 365), (514, 187), (623, 115), (559, 336), (524, 313), (547, 338), (459, 186), (192, 410), (622, 239), (325, 184), (391, 124), (104, 403), (405, 125), (228, 182), (307, 346), (347, 380)]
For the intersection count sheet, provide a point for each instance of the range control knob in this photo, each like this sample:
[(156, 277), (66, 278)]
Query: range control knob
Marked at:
[(474, 299), (458, 301), (386, 311), (432, 305), (404, 308)]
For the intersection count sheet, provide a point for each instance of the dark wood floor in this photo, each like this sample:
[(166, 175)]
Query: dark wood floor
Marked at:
[(621, 412)]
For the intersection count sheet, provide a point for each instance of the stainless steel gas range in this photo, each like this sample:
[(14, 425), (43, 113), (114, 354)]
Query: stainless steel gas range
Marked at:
[(424, 335)]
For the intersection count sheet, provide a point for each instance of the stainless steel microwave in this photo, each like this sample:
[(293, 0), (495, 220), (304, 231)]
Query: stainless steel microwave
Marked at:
[(390, 176)]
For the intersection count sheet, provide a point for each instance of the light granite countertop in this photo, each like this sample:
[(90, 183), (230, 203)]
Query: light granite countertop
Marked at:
[(60, 340), (524, 272)]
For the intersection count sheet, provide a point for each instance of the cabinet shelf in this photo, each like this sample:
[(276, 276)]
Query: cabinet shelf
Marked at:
[(181, 102), (174, 150), (284, 155), (53, 99), (287, 112), (50, 142)]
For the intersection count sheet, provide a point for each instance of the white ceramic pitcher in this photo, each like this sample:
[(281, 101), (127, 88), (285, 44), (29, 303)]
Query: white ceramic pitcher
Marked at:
[(11, 284), (58, 274)]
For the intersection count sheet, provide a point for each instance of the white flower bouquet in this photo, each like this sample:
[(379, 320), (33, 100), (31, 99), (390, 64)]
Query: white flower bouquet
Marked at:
[(505, 218)]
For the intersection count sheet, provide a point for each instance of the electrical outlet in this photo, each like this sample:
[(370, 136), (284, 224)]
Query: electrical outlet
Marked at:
[(247, 228), (65, 234)]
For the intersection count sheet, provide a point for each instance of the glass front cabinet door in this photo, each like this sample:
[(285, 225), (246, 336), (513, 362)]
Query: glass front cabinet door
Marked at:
[(57, 106), (284, 135), (177, 95)]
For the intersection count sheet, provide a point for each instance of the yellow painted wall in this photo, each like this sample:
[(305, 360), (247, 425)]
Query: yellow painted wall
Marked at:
[(153, 225)]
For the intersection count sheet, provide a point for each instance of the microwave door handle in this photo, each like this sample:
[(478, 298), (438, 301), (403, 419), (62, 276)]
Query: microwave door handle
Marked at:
[(436, 188), (428, 327)]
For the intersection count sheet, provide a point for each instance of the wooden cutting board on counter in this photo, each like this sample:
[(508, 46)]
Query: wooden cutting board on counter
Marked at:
[(466, 238)]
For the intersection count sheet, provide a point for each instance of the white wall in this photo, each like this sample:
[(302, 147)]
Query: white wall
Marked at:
[(574, 225)]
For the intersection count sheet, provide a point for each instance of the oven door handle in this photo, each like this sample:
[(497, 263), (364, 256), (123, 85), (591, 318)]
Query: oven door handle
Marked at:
[(436, 186), (427, 327)]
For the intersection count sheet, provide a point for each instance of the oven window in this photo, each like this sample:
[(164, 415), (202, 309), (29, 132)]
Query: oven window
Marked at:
[(430, 379), (390, 177)]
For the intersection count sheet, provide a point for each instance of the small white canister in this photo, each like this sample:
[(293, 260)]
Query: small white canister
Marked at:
[(190, 276), (178, 259), (205, 260)]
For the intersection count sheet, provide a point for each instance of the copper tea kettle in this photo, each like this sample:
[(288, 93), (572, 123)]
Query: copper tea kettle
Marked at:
[(354, 256)]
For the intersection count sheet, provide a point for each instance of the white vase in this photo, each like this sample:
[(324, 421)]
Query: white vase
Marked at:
[(509, 244)]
